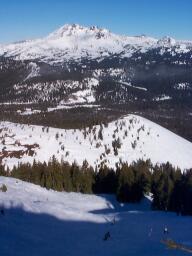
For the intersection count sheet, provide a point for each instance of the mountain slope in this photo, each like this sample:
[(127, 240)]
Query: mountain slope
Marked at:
[(83, 65), (127, 139), (75, 54), (42, 222)]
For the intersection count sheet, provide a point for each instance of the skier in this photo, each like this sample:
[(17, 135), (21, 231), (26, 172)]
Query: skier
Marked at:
[(107, 236), (113, 221), (150, 232), (2, 212), (165, 230)]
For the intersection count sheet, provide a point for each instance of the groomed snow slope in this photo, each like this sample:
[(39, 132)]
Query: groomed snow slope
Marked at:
[(138, 137), (41, 222)]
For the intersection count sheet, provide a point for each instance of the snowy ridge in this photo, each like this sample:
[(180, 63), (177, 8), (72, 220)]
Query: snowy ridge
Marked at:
[(127, 139), (75, 42)]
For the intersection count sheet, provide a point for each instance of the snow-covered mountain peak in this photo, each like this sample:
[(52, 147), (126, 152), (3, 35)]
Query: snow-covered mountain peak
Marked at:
[(73, 41), (66, 30), (76, 30), (166, 41)]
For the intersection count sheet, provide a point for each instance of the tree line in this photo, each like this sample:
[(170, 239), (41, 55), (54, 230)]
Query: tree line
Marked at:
[(171, 189)]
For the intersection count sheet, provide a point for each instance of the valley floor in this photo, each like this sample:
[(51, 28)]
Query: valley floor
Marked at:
[(36, 221)]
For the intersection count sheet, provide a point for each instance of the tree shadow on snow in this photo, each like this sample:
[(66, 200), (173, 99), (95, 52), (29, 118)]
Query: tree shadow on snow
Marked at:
[(113, 206)]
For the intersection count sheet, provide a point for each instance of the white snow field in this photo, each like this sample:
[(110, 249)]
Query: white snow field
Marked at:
[(46, 223), (138, 137)]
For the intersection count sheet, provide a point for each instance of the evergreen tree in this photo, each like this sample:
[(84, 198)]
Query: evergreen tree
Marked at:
[(125, 184), (105, 181)]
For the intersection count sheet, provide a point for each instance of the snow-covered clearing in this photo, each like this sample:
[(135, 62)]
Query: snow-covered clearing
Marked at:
[(132, 86), (162, 98), (41, 222), (138, 138), (29, 111)]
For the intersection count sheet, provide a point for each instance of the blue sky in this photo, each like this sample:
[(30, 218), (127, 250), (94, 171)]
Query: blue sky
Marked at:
[(25, 19)]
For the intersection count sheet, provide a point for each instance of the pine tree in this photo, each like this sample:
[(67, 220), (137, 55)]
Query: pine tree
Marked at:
[(125, 184), (87, 178)]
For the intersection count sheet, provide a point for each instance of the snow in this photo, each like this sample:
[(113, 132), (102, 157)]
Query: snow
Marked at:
[(166, 41), (34, 70), (42, 222), (144, 140), (60, 106), (182, 86), (35, 199), (29, 111), (83, 96), (71, 106), (132, 86), (72, 91), (76, 42), (162, 98), (15, 103)]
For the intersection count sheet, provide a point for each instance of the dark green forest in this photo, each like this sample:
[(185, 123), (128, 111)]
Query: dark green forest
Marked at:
[(171, 189)]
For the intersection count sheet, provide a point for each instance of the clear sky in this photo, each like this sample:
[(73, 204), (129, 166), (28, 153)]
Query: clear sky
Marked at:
[(27, 19)]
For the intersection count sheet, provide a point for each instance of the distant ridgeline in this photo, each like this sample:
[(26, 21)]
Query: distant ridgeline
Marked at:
[(91, 64), (171, 189)]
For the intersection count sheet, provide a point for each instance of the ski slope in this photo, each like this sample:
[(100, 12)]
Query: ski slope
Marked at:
[(138, 137), (41, 222)]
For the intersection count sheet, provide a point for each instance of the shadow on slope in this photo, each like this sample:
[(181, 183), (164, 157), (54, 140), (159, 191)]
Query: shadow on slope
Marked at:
[(24, 233), (115, 207)]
